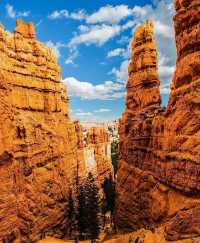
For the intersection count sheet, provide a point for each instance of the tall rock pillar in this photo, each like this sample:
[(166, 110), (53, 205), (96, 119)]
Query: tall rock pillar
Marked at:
[(142, 104)]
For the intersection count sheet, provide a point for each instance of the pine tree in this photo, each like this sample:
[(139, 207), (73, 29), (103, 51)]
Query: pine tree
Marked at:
[(70, 213), (82, 212), (93, 208), (88, 208), (109, 196)]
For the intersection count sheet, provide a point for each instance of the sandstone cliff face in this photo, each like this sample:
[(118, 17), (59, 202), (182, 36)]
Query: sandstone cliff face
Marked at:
[(42, 152), (158, 178), (98, 140), (38, 146)]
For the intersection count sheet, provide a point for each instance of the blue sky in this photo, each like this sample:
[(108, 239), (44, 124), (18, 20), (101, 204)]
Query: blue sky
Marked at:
[(91, 41)]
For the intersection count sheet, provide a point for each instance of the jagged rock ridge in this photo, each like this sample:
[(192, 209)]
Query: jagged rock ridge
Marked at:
[(158, 178)]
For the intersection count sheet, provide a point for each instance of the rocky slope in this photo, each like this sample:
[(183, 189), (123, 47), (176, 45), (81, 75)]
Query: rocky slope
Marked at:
[(147, 236), (40, 147), (158, 178)]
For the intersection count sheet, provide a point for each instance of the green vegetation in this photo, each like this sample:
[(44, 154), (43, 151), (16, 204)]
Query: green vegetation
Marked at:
[(115, 155), (88, 209), (70, 213), (109, 197)]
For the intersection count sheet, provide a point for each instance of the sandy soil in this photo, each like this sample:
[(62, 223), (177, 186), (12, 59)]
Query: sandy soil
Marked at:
[(52, 240)]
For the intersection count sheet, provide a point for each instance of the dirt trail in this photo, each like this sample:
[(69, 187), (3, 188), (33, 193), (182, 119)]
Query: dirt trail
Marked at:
[(53, 240)]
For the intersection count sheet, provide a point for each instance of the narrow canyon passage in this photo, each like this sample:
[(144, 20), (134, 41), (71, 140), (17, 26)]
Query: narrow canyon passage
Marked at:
[(132, 180)]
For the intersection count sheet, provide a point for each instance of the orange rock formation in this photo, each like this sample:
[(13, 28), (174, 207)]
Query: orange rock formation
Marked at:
[(37, 138), (158, 178), (40, 146), (98, 139)]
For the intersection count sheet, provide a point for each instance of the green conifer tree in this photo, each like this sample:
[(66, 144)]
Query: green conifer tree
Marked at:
[(70, 213), (88, 209)]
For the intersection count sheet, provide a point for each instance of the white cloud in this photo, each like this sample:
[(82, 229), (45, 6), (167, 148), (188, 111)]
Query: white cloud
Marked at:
[(161, 13), (104, 25), (162, 29), (83, 114), (73, 55), (165, 89), (121, 74), (98, 34), (166, 71), (165, 68), (88, 91), (123, 40), (128, 25), (102, 110), (80, 15), (59, 14), (12, 13), (109, 14), (116, 52), (141, 11), (55, 47)]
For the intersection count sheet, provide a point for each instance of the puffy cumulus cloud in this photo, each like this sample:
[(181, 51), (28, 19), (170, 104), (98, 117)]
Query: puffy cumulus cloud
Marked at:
[(55, 47), (109, 14), (98, 34), (105, 24), (80, 15), (100, 26), (116, 52), (162, 29), (12, 13), (59, 14), (165, 67), (121, 74), (88, 91)]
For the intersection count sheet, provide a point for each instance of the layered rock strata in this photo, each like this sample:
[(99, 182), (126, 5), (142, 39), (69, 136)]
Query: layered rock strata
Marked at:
[(158, 178), (94, 154), (40, 147), (98, 140)]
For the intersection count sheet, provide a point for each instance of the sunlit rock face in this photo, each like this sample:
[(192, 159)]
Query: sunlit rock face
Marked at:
[(94, 154), (158, 178), (42, 151), (98, 140), (38, 147), (43, 154)]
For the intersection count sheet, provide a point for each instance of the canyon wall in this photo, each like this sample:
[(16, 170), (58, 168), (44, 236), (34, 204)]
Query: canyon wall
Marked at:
[(38, 140), (41, 147), (158, 177), (94, 153), (98, 139)]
